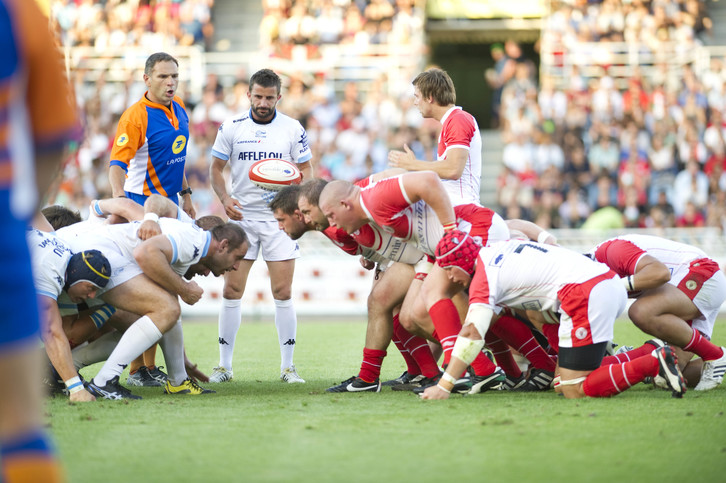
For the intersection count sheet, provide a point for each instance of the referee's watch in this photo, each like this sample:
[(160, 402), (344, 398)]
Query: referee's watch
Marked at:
[(185, 191)]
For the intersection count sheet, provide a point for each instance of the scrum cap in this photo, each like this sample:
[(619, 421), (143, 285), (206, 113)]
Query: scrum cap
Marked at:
[(88, 266), (457, 249)]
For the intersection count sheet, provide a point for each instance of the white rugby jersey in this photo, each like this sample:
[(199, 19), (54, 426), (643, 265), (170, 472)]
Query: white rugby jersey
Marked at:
[(622, 254), (528, 275), (241, 141), (379, 246), (460, 130), (49, 259), (189, 242)]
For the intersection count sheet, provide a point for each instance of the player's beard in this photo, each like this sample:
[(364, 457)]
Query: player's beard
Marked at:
[(267, 116)]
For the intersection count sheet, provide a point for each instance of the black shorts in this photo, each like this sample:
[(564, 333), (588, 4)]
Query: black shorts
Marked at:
[(586, 358)]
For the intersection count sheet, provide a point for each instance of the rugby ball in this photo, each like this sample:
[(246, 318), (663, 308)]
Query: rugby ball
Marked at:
[(274, 174)]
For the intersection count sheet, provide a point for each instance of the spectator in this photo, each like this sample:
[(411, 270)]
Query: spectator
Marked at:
[(691, 185)]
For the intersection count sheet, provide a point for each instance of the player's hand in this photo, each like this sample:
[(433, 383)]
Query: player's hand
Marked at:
[(401, 159), (233, 208), (435, 392), (188, 207), (367, 264), (195, 374), (192, 293), (82, 396), (148, 229)]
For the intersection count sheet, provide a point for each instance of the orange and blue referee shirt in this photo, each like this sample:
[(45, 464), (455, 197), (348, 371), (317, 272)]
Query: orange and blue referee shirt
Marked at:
[(37, 110), (151, 147)]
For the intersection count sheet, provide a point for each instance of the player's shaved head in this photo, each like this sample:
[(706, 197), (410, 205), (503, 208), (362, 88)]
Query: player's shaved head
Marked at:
[(335, 190), (340, 203)]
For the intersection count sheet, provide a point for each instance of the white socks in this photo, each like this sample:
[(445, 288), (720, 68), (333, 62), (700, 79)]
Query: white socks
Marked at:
[(172, 345), (230, 318), (140, 336), (286, 323), (97, 351)]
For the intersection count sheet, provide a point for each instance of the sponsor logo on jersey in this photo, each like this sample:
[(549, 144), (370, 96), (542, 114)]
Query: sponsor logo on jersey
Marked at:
[(260, 134), (258, 155), (249, 141), (581, 333), (179, 143), (122, 140), (532, 305)]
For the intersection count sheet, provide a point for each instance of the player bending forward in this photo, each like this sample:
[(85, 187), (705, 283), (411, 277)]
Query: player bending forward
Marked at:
[(527, 275)]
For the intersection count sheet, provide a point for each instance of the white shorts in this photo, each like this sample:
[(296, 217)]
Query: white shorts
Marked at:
[(589, 310), (709, 299), (275, 244)]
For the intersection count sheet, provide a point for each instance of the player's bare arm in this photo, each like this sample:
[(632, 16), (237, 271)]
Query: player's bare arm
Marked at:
[(387, 173), (123, 207), (57, 346), (650, 273), (156, 206), (532, 231), (232, 207), (451, 167), (468, 345), (306, 169), (427, 186), (154, 256)]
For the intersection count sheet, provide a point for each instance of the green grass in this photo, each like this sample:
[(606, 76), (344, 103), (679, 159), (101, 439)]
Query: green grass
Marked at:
[(259, 429)]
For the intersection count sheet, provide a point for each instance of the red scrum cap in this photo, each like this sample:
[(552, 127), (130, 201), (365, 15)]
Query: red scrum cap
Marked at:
[(457, 249)]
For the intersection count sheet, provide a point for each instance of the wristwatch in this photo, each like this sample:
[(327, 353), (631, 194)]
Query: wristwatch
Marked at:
[(185, 191)]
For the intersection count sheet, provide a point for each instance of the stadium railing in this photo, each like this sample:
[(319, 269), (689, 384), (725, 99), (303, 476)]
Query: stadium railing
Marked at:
[(340, 63), (621, 60)]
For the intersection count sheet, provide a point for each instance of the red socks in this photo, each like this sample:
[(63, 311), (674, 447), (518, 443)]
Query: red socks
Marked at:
[(503, 355), (703, 347), (418, 349), (641, 351), (447, 324), (518, 335), (370, 369), (399, 335), (551, 331), (612, 379)]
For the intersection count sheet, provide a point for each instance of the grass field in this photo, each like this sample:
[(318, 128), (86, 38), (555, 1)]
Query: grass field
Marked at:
[(259, 429)]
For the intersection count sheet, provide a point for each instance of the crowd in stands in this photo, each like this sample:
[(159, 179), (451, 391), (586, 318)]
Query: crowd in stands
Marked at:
[(350, 132), (311, 24), (150, 24), (642, 22), (650, 155)]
